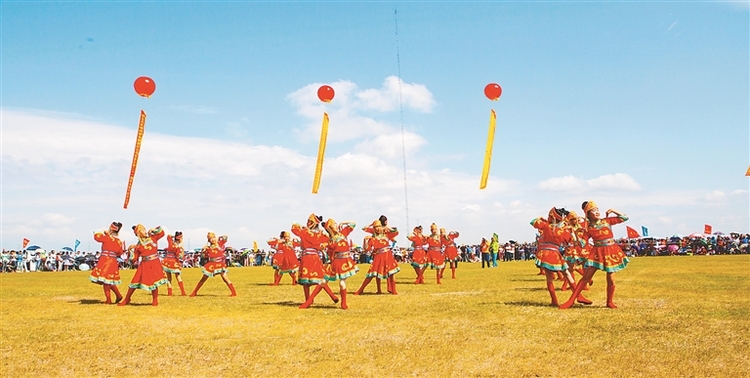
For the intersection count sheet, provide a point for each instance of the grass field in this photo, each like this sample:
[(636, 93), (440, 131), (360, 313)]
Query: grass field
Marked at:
[(678, 316)]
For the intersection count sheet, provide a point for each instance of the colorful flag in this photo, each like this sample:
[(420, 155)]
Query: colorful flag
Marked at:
[(707, 229), (25, 243), (748, 172), (644, 231), (77, 243), (632, 233), (255, 246)]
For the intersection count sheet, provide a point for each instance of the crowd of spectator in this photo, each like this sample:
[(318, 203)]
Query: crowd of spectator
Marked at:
[(55, 261)]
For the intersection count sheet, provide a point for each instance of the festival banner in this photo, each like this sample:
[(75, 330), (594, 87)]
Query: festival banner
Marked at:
[(707, 229), (632, 233), (748, 172), (76, 244), (25, 243), (644, 231)]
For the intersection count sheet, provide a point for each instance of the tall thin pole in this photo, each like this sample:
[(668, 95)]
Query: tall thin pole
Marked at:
[(401, 113)]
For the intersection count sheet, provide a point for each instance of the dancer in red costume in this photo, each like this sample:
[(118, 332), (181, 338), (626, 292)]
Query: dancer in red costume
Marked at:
[(605, 254), (434, 252), (575, 253), (107, 270), (311, 270), (384, 264), (285, 259), (339, 251), (172, 262), (553, 234), (217, 263), (419, 254), (450, 250), (149, 275)]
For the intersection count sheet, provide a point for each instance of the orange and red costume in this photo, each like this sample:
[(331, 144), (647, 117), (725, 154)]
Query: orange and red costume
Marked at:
[(172, 262), (605, 254), (552, 237), (217, 260), (419, 254), (339, 252), (285, 259), (149, 275), (450, 252), (434, 252), (311, 270), (107, 269)]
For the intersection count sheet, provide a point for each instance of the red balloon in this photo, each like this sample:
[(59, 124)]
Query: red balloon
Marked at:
[(325, 93), (144, 86), (493, 91)]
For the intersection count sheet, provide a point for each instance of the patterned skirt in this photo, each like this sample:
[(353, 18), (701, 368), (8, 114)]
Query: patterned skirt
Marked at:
[(419, 258), (451, 253), (107, 271), (435, 260), (607, 258), (148, 276), (171, 265), (341, 269), (311, 270), (551, 260)]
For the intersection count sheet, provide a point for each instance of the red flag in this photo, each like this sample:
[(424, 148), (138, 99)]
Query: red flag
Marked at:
[(707, 229), (25, 243), (748, 172), (632, 233)]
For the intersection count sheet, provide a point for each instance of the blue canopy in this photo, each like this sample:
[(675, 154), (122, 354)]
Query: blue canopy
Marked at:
[(67, 249), (33, 247)]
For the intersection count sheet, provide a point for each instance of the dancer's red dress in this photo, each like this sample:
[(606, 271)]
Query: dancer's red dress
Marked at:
[(149, 274), (434, 252), (419, 255), (339, 252), (217, 260), (285, 258), (450, 251), (172, 262), (311, 271), (605, 254), (107, 270), (384, 264), (551, 238)]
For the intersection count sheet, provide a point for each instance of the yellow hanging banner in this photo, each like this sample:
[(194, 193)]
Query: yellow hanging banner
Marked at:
[(488, 151), (138, 138), (321, 154)]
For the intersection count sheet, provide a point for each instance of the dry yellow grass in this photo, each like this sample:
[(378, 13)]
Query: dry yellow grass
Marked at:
[(678, 316)]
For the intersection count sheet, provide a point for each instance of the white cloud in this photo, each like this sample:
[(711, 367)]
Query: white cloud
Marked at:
[(616, 182), (715, 196), (386, 99), (739, 192), (562, 184)]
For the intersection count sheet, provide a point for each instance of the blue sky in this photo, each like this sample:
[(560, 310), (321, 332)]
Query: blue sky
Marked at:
[(640, 106)]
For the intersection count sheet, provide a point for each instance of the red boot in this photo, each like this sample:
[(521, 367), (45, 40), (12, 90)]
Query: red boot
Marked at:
[(118, 296), (378, 281), (552, 294), (453, 272), (392, 282), (363, 286), (107, 294), (306, 289), (169, 291), (343, 299), (330, 293), (198, 286), (311, 299), (127, 297), (611, 296), (276, 278), (182, 288), (231, 289), (574, 296), (155, 297)]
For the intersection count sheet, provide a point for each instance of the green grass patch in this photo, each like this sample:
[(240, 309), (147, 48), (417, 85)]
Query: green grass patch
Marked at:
[(678, 316)]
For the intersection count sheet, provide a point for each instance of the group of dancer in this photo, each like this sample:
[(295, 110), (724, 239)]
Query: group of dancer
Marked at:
[(327, 257), (152, 272), (569, 244)]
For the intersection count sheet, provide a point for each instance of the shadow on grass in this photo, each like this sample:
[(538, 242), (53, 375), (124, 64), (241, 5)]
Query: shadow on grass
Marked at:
[(529, 304), (89, 301), (284, 303), (527, 279), (531, 289)]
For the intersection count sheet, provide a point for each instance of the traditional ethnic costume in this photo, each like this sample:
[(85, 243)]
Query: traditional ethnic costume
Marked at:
[(215, 252), (605, 254), (449, 250), (384, 265), (285, 259), (553, 236), (434, 253), (339, 251), (419, 254), (172, 263), (107, 269), (149, 275), (311, 267)]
